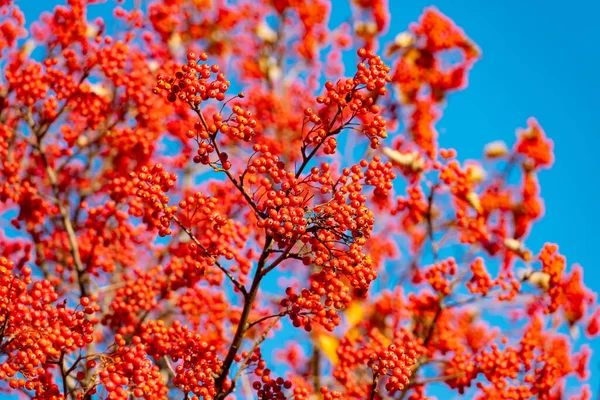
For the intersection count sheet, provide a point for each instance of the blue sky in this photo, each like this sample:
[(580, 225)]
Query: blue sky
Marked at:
[(540, 59)]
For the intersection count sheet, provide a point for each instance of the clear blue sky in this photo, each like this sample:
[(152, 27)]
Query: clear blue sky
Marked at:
[(540, 58)]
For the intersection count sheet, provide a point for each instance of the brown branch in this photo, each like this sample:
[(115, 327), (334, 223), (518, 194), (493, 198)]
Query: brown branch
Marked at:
[(307, 158), (243, 324), (374, 386), (235, 282), (279, 259), (213, 140), (315, 363), (82, 278), (263, 319), (430, 231), (257, 343)]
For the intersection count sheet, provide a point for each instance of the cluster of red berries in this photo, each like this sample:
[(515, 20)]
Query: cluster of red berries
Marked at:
[(534, 145), (462, 370), (375, 129), (438, 275), (239, 125), (129, 304), (112, 59), (396, 362), (530, 207), (499, 366), (413, 208), (105, 248), (302, 388), (267, 386), (193, 83), (152, 185), (287, 223), (350, 98), (553, 264), (206, 308), (200, 209), (457, 179), (34, 208), (392, 363), (36, 330), (307, 308), (29, 83), (422, 65), (189, 265), (576, 298), (199, 362), (379, 174), (267, 162), (330, 394), (128, 371), (480, 281)]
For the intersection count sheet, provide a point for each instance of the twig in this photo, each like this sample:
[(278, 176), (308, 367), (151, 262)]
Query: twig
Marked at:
[(257, 343), (374, 386), (430, 232), (263, 319), (235, 282), (64, 212)]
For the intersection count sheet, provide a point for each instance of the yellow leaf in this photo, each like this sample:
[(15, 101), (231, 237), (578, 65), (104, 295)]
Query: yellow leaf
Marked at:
[(329, 345), (355, 313)]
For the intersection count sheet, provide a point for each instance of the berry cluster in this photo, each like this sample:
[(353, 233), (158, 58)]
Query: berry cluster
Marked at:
[(348, 99), (200, 363), (390, 363), (36, 331), (128, 371), (554, 265), (396, 362), (267, 386), (481, 281), (29, 83), (131, 302), (307, 308), (152, 185), (439, 275), (534, 146), (192, 83), (380, 176)]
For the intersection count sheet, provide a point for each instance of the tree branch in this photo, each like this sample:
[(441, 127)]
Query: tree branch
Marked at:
[(235, 282), (243, 324)]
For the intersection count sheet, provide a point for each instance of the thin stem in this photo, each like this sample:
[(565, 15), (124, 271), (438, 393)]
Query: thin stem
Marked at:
[(263, 319), (443, 378), (279, 259), (213, 140), (315, 361), (307, 158), (235, 282), (374, 386), (257, 343), (430, 231), (64, 212)]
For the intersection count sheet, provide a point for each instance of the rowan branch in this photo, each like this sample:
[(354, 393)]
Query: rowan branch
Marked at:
[(235, 282), (243, 324), (63, 210), (239, 187), (257, 343)]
